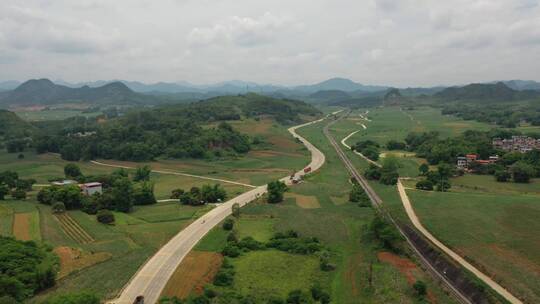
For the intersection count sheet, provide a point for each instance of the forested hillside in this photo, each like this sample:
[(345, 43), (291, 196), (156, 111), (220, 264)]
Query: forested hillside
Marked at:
[(176, 131), (11, 126), (477, 92)]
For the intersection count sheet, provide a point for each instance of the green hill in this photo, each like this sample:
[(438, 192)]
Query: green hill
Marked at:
[(12, 126), (285, 111), (45, 92), (498, 92)]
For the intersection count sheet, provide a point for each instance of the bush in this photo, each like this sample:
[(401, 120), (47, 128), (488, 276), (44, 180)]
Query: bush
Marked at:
[(228, 224), (250, 243), (420, 288), (298, 297), (18, 194), (231, 250), (59, 207), (4, 190), (358, 195), (502, 176), (177, 193), (373, 172), (522, 172), (424, 185), (105, 216), (395, 145), (144, 194)]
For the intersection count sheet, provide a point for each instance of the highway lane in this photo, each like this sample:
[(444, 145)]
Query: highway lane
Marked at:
[(152, 277)]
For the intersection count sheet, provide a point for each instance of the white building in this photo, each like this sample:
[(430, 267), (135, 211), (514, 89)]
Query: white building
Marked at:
[(91, 188)]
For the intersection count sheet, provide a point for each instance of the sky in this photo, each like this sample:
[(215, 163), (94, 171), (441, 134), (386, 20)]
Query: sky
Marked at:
[(287, 42)]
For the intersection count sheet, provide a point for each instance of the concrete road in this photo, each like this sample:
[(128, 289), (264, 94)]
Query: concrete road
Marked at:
[(416, 222), (152, 277)]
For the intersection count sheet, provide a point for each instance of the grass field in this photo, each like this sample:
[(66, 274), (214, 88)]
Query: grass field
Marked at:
[(498, 232)]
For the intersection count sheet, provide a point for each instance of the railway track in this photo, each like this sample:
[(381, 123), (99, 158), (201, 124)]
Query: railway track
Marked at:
[(377, 203)]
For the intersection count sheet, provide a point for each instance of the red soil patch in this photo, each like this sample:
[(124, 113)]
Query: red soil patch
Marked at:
[(21, 226), (406, 267), (196, 270)]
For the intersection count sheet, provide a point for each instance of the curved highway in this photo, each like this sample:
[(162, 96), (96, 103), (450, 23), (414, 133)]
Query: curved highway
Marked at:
[(152, 277)]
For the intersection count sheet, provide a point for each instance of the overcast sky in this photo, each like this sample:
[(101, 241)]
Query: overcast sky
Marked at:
[(400, 43)]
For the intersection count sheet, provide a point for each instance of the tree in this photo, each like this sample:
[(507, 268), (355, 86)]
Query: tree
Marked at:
[(228, 224), (213, 194), (177, 193), (46, 195), (122, 194), (358, 195), (9, 178), (142, 174), (236, 210), (522, 172), (298, 296), (105, 216), (373, 172), (144, 194), (424, 185), (371, 152), (4, 190), (72, 171), (423, 169), (384, 233), (395, 145), (443, 185), (420, 288), (502, 176), (58, 207), (276, 189), (389, 171), (18, 194)]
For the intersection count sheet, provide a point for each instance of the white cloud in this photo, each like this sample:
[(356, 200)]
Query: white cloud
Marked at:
[(400, 42)]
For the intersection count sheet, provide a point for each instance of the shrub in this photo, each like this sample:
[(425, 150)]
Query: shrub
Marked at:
[(105, 216), (373, 172), (420, 288), (424, 185), (358, 195), (228, 224), (250, 244), (18, 194), (59, 207), (236, 210), (177, 193), (231, 250), (298, 297), (502, 176)]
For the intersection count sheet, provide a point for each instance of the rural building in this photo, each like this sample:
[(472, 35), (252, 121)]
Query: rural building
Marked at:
[(65, 182), (462, 162), (465, 162), (522, 144), (91, 188)]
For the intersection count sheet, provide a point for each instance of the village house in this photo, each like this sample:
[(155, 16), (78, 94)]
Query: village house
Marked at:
[(522, 144), (90, 189), (464, 162)]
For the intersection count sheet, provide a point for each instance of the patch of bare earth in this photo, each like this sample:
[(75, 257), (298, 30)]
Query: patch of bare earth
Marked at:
[(72, 259), (196, 270), (406, 267), (21, 226), (305, 201)]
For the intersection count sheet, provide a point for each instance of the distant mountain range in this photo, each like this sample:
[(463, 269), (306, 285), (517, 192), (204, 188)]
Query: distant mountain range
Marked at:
[(45, 92)]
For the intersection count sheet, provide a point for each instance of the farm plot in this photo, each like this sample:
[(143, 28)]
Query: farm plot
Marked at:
[(196, 270), (73, 229), (26, 226)]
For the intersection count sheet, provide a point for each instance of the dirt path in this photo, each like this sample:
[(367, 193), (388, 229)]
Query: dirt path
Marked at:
[(416, 222), (177, 173), (344, 143)]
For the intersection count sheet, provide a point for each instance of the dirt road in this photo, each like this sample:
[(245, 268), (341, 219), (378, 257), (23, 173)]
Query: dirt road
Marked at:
[(416, 222)]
